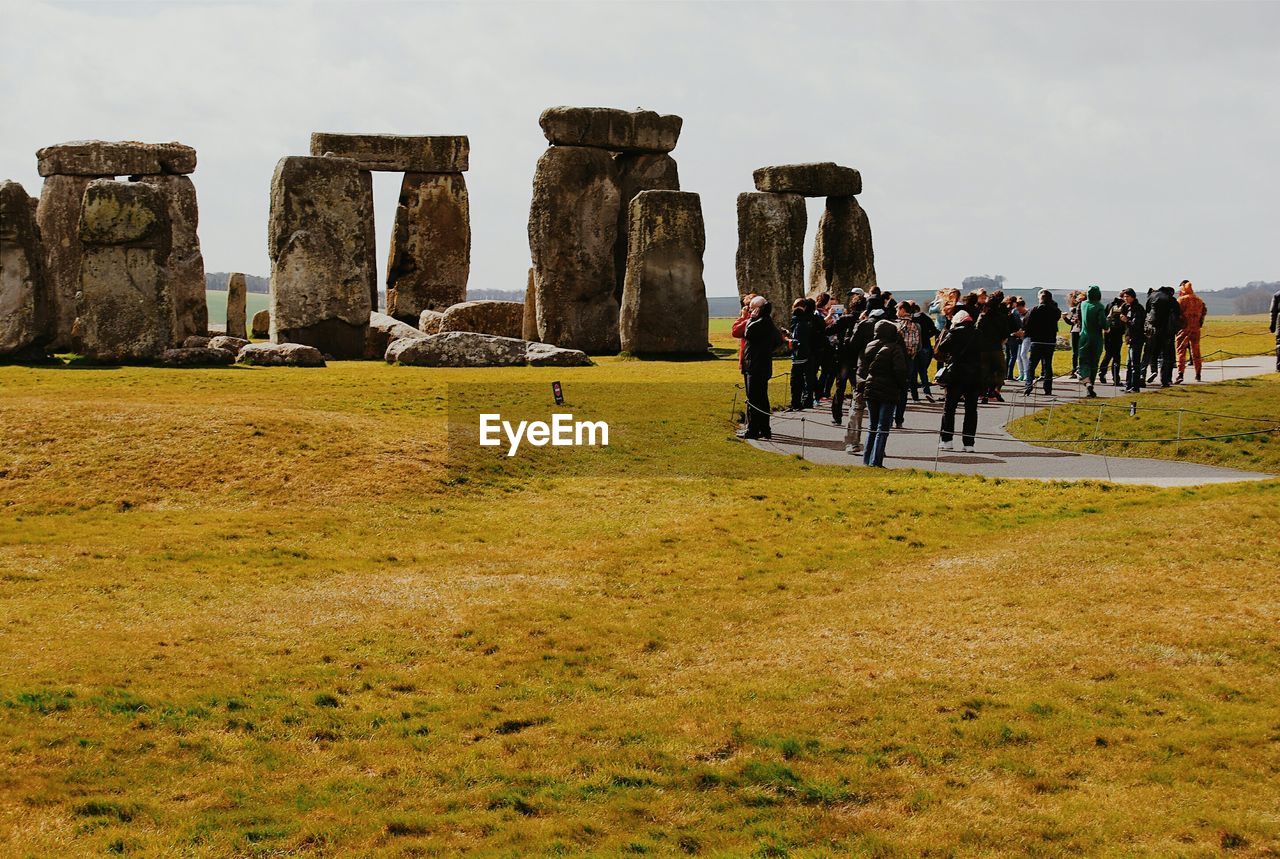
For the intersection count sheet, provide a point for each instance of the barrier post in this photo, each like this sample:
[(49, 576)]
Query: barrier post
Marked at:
[(1178, 449)]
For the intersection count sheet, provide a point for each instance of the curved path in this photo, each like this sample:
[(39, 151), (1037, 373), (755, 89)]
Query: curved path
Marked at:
[(1002, 455)]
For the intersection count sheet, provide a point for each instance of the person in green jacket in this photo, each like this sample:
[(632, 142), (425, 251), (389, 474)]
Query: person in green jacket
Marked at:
[(1093, 321)]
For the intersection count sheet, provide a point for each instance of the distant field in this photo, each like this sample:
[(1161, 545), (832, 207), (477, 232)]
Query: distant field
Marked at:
[(217, 303)]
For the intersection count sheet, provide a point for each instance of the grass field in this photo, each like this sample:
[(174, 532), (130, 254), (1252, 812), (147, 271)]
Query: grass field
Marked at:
[(262, 612), (217, 303)]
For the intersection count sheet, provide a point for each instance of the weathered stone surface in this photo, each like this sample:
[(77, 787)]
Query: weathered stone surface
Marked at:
[(824, 179), (228, 344), (529, 320), (636, 173), (120, 158), (500, 318), (770, 259), (280, 355), (842, 254), (122, 314), (610, 128), (431, 321), (664, 303), (58, 219), (458, 349), (236, 311), (24, 291), (430, 258), (197, 356), (545, 355), (184, 266), (322, 255), (573, 224), (261, 326), (195, 341), (383, 331), (396, 153)]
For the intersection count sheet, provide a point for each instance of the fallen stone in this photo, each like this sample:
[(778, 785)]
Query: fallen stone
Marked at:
[(396, 153), (195, 342), (205, 356), (664, 302), (770, 260), (529, 320), (261, 327), (58, 219), (573, 224), (636, 173), (609, 128), (500, 318), (24, 291), (383, 331), (824, 179), (843, 257), (228, 344), (102, 158), (430, 258), (321, 245), (184, 264), (236, 291), (458, 349), (430, 321), (122, 315), (280, 355), (546, 355)]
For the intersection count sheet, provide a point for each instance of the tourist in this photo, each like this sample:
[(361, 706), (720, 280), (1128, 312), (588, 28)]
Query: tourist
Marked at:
[(993, 331), (739, 327), (909, 333), (851, 362), (857, 304), (1193, 311), (1134, 318), (826, 357), (801, 345), (1013, 346), (1113, 342), (884, 380), (1072, 318), (1093, 322), (1163, 323), (1275, 325), (761, 338), (961, 356), (1041, 332), (924, 357), (1024, 345)]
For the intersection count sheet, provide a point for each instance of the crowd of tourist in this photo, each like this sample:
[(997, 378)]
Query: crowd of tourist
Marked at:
[(886, 353)]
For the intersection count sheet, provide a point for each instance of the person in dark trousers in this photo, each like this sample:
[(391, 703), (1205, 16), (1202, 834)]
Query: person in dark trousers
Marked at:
[(819, 341), (1093, 327), (884, 369), (761, 338), (801, 354), (1134, 319), (1113, 342), (856, 347), (910, 335), (993, 330), (1072, 318), (1014, 344), (924, 357), (1041, 329), (1163, 324), (1275, 327), (961, 354)]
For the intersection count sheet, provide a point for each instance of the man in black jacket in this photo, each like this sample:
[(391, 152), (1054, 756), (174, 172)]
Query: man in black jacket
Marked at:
[(851, 354), (1275, 328), (1041, 329), (1163, 323), (1134, 318)]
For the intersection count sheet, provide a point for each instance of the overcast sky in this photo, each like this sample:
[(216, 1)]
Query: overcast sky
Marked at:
[(1059, 145)]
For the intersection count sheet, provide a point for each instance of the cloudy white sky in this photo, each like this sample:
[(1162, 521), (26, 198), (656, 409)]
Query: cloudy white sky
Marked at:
[(1058, 145)]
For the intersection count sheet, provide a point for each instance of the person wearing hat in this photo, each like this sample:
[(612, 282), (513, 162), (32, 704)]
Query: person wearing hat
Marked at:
[(961, 356), (1041, 331)]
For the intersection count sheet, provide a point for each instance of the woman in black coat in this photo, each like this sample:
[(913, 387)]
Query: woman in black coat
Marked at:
[(762, 339), (960, 352)]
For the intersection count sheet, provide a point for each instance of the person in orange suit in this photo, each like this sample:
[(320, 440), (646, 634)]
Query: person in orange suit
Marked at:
[(1193, 311)]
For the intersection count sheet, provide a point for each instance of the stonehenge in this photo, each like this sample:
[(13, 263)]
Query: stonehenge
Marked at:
[(771, 230), (24, 294), (430, 259), (500, 318), (599, 159), (236, 306), (261, 326), (664, 301)]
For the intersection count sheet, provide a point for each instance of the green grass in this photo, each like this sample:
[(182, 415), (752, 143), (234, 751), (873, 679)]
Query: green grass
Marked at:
[(249, 611), (217, 303)]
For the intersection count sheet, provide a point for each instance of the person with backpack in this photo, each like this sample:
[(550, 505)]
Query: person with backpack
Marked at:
[(1113, 342), (761, 338), (960, 355), (1041, 330), (1163, 324), (924, 356), (1193, 311), (883, 379), (851, 361), (910, 334)]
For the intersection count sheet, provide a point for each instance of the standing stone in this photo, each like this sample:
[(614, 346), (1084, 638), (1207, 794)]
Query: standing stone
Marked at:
[(636, 173), (770, 258), (573, 224), (430, 259), (24, 295), (370, 239), (529, 322), (122, 315), (842, 254), (184, 268), (261, 324), (322, 254), (236, 306), (664, 304), (58, 219)]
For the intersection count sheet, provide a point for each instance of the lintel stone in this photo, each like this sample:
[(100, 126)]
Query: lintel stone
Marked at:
[(396, 153)]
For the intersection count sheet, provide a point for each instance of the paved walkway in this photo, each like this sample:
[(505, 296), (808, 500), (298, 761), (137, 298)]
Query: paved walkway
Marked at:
[(1001, 455)]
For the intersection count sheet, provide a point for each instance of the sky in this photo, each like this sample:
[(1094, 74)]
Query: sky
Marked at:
[(1056, 144)]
